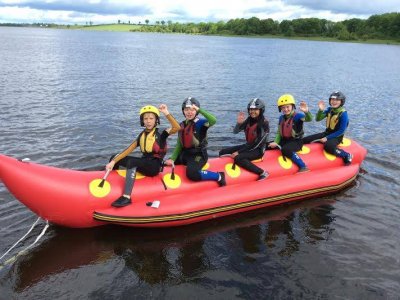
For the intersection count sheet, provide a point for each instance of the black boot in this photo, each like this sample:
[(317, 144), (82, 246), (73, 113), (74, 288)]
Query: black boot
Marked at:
[(121, 202), (221, 181)]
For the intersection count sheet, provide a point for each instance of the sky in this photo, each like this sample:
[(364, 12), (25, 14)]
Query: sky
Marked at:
[(135, 11)]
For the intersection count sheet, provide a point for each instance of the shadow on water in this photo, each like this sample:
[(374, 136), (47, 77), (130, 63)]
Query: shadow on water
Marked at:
[(176, 254)]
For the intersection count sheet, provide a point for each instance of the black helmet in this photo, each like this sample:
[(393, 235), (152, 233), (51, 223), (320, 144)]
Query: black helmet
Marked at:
[(257, 104), (338, 95), (189, 101)]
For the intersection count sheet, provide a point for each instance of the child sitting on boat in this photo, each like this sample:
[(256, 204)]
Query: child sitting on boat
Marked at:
[(153, 145), (256, 130), (190, 149), (290, 129), (337, 121)]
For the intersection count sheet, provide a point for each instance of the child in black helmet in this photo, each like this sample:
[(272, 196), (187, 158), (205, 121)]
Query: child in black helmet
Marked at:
[(337, 121), (290, 129), (191, 145), (153, 145), (256, 129)]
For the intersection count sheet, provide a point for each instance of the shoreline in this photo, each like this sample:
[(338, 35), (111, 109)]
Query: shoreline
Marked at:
[(136, 28)]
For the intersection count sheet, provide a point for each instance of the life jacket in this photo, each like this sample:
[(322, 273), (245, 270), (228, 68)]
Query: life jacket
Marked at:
[(151, 145), (190, 137), (250, 132), (332, 119), (289, 129)]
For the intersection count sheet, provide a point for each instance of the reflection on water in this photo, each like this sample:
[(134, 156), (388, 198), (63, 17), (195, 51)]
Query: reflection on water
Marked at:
[(173, 255)]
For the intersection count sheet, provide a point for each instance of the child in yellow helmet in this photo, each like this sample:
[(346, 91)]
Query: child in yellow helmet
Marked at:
[(153, 145), (290, 129)]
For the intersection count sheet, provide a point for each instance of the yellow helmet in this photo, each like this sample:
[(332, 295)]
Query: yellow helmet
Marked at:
[(149, 109), (285, 100)]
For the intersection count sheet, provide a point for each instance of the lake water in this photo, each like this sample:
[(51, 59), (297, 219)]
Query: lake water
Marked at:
[(71, 98)]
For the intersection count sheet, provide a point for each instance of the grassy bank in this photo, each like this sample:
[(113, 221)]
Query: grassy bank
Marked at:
[(134, 27), (142, 28), (108, 27)]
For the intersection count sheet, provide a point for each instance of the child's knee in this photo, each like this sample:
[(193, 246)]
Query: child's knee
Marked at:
[(193, 175)]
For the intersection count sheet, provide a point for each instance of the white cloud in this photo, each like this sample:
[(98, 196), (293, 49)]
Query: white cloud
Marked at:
[(109, 11)]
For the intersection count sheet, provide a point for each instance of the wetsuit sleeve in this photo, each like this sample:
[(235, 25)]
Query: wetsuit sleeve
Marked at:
[(343, 122), (211, 119), (308, 117), (321, 114), (239, 127), (278, 136), (174, 123), (124, 153), (177, 150)]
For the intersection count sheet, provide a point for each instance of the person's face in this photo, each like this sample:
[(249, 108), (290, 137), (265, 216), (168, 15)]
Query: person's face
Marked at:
[(286, 109), (190, 113), (254, 112), (149, 120), (334, 102)]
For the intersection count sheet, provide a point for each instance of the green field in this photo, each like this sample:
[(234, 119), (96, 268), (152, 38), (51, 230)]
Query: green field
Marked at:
[(108, 27)]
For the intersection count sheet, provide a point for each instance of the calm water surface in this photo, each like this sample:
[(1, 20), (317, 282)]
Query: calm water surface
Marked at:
[(71, 98)]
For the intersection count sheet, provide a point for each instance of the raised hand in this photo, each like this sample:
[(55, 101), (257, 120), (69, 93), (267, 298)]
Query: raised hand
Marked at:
[(164, 109), (321, 105), (241, 117), (195, 107), (303, 106)]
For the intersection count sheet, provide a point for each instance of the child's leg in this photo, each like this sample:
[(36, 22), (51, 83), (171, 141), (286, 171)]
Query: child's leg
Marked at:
[(230, 150), (289, 150), (194, 163), (146, 166), (331, 147), (244, 160), (313, 137)]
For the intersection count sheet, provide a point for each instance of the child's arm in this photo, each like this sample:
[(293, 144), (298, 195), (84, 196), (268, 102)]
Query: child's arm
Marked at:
[(174, 123), (321, 114), (121, 155), (211, 119), (240, 123), (307, 115), (177, 150)]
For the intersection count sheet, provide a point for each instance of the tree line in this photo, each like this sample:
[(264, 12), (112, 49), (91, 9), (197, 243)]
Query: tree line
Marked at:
[(384, 26)]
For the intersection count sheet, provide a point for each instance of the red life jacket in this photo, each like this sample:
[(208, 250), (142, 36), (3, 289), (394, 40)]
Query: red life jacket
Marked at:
[(150, 144), (251, 132), (189, 136), (289, 129)]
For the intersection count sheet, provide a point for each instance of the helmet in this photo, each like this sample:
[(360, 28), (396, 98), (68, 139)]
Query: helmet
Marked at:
[(189, 101), (285, 100), (149, 109), (257, 104), (338, 95)]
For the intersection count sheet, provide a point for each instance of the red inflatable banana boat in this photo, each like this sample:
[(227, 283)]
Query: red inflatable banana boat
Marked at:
[(74, 198)]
